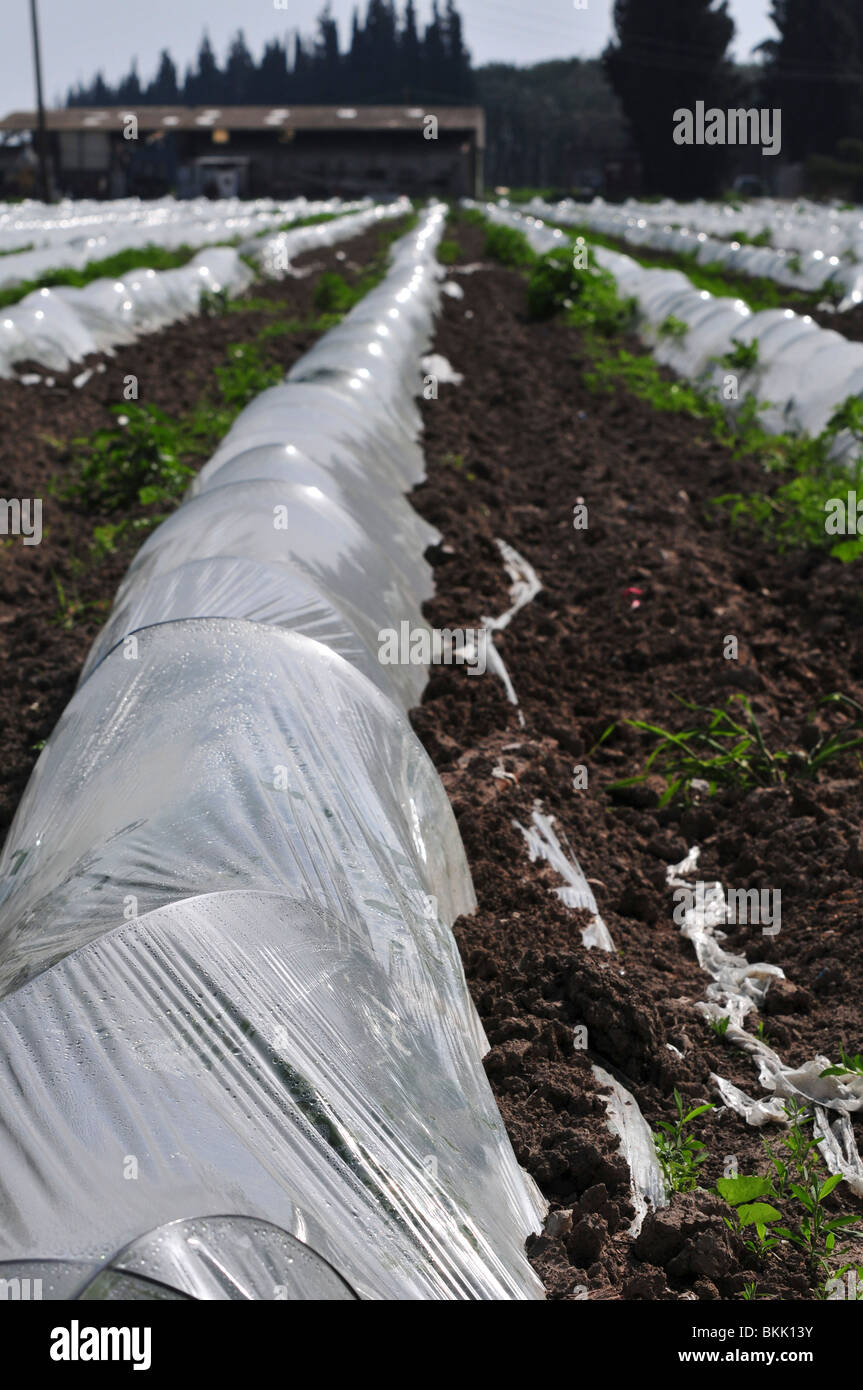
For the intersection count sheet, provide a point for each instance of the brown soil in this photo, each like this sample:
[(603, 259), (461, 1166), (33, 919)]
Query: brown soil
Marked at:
[(510, 452), (849, 323)]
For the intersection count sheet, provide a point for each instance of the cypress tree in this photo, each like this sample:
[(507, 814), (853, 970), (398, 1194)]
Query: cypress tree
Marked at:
[(813, 73), (434, 57), (163, 90), (409, 54), (667, 57), (240, 73)]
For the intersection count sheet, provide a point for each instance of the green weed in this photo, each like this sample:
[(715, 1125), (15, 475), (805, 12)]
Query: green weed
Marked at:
[(508, 246), (448, 251), (798, 1184), (672, 327), (726, 751)]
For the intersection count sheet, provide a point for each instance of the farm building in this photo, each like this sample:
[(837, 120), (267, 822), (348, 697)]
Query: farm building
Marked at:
[(259, 151)]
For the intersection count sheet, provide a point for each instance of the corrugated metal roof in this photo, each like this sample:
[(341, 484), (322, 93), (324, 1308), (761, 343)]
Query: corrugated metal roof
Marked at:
[(151, 118)]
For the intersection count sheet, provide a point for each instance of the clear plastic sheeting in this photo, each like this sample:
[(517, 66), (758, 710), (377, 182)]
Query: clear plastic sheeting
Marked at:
[(283, 595), (245, 519), (58, 327), (224, 1258), (800, 226), (270, 764), (260, 1059), (636, 1145), (232, 1258), (226, 897)]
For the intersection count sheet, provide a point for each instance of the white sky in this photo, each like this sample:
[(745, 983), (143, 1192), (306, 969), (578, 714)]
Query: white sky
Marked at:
[(81, 36)]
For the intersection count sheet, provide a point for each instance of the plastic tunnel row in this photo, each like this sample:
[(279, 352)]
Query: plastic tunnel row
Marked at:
[(810, 270), (60, 326), (69, 236), (803, 374), (798, 226), (226, 963)]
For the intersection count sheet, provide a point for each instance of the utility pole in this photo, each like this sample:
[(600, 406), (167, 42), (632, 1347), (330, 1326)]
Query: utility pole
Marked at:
[(41, 147)]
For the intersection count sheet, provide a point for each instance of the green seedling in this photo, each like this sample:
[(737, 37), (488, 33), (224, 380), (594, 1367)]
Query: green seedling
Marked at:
[(747, 1195), (802, 1187), (680, 1154)]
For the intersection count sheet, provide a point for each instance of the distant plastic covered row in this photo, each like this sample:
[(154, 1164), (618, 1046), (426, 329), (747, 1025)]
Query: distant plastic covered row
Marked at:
[(800, 225), (70, 235), (803, 374), (810, 270), (61, 326)]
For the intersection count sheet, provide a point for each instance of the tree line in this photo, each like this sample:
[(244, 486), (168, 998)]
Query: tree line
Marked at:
[(389, 59)]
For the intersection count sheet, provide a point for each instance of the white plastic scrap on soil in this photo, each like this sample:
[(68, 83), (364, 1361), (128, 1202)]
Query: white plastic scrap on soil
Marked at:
[(524, 587), (738, 987), (543, 843), (636, 1145), (434, 364)]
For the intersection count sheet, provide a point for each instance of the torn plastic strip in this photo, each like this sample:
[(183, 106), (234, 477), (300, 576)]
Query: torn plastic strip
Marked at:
[(435, 365), (542, 843), (524, 587), (839, 1149), (636, 1145), (737, 984)]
